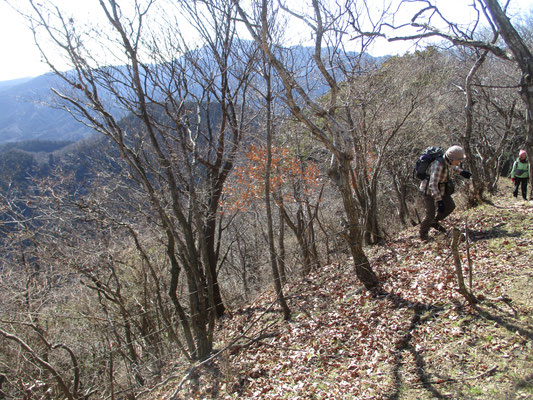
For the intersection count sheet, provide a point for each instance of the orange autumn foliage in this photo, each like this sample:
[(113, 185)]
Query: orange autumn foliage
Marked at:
[(287, 172)]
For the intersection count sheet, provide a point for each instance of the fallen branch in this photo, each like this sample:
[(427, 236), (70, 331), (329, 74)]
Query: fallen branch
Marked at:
[(238, 347)]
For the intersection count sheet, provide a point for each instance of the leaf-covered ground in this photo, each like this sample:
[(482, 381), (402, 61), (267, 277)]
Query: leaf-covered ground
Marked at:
[(419, 340)]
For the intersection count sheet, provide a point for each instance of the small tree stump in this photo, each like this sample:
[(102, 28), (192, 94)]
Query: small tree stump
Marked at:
[(472, 300)]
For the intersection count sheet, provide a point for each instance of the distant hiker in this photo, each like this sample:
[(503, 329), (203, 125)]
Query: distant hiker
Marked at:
[(520, 174), (438, 188)]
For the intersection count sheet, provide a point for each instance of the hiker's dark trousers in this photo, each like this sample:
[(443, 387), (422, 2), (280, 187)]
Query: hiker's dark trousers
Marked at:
[(522, 182), (431, 206)]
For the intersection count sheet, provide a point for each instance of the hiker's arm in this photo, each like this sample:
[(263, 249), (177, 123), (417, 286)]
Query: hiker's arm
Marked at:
[(457, 170), (461, 171), (435, 171)]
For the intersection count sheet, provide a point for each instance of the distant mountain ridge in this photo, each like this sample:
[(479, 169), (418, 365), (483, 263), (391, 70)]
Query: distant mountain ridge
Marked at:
[(26, 112), (12, 82)]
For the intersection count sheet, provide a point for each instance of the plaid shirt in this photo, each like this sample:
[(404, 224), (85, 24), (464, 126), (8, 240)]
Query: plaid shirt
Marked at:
[(439, 174)]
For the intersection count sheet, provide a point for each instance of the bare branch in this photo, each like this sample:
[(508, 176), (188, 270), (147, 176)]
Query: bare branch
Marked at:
[(60, 382)]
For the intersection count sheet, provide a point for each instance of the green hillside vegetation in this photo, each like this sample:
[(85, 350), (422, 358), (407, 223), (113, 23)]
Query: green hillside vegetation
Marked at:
[(23, 162), (35, 146), (420, 339)]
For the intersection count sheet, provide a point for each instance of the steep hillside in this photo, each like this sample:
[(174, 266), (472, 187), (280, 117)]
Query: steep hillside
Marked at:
[(420, 339)]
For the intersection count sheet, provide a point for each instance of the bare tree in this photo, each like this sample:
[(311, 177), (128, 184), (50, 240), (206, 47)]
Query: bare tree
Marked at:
[(329, 122), (63, 387), (494, 116), (186, 118), (35, 356), (274, 260)]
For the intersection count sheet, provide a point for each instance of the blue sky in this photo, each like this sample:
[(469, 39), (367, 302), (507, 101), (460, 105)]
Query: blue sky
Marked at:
[(20, 57)]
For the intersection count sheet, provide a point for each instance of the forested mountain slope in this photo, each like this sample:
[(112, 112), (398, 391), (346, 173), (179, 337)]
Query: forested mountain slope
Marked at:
[(27, 112), (419, 339)]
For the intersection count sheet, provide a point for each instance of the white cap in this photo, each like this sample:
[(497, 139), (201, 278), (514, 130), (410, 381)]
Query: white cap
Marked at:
[(455, 153)]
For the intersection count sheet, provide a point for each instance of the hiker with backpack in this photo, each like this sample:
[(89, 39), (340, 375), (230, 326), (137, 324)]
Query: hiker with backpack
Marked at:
[(520, 174), (436, 169)]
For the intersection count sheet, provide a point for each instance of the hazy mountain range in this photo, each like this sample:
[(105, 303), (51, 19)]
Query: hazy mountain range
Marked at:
[(27, 113)]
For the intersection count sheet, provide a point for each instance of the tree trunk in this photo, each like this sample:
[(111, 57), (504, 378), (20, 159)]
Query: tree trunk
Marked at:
[(475, 195), (362, 266), (303, 241), (281, 246), (311, 235), (271, 244), (172, 292), (372, 230), (524, 59), (213, 258), (401, 195), (133, 358), (304, 236)]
